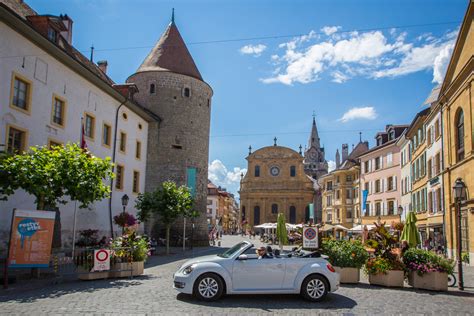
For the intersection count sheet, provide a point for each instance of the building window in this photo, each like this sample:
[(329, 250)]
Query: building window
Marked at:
[(187, 92), (106, 134), (366, 166), (292, 215), (52, 34), (377, 186), (348, 193), (377, 163), (338, 194), (460, 135), (52, 144), (21, 92), (437, 164), (152, 88), (123, 142), (138, 150), (274, 208), (390, 185), (367, 208), (378, 208), (391, 207), (89, 128), (329, 185), (292, 171), (328, 200), (348, 213), (256, 215), (16, 142), (119, 177), (257, 171), (59, 111), (136, 182), (366, 186), (437, 129), (348, 178)]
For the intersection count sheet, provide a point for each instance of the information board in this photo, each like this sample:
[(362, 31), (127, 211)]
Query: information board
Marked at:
[(31, 238), (310, 237)]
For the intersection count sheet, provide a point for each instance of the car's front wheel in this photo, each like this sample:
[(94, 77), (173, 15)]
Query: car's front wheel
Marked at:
[(208, 287), (314, 288)]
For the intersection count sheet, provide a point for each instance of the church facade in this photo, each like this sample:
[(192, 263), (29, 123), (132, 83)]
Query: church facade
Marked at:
[(275, 183)]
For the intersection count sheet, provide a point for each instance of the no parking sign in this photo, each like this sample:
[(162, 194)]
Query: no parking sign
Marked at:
[(101, 260), (310, 237)]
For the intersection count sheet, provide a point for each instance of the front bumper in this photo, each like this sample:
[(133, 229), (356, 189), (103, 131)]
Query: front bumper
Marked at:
[(183, 283)]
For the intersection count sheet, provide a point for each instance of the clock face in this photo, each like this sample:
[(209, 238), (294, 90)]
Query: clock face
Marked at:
[(312, 155), (274, 171)]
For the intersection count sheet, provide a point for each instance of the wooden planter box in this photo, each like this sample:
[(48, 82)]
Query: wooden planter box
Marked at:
[(348, 275), (393, 278), (84, 274), (124, 268), (435, 281)]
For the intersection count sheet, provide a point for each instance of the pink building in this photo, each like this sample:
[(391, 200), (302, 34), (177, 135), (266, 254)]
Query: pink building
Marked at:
[(380, 177)]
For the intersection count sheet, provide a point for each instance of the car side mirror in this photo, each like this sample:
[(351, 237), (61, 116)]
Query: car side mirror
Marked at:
[(242, 257)]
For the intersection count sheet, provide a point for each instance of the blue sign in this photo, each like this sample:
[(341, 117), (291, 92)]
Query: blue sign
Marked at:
[(311, 210), (27, 228), (191, 180), (365, 193)]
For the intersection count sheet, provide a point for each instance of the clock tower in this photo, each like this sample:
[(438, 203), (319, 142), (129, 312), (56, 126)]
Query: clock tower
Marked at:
[(315, 166)]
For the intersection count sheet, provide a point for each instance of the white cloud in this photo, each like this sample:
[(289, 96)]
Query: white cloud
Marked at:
[(441, 63), (344, 56), (329, 30), (255, 50), (367, 113), (331, 165), (221, 176)]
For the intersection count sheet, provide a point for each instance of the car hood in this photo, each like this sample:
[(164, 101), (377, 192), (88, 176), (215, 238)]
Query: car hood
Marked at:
[(209, 258)]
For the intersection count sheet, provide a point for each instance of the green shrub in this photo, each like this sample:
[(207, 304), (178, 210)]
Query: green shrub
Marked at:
[(424, 261), (345, 254), (378, 265)]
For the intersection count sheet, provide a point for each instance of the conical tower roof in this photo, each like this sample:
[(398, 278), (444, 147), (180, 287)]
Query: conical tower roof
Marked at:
[(171, 54), (314, 138)]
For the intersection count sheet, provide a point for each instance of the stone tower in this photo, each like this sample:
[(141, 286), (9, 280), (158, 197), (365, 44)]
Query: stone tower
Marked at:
[(171, 86), (315, 165)]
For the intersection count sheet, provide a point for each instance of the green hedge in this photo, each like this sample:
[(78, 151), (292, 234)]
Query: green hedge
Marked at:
[(344, 253)]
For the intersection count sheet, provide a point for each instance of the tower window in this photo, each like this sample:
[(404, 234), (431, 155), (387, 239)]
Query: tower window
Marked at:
[(152, 88), (257, 171), (187, 92), (292, 171)]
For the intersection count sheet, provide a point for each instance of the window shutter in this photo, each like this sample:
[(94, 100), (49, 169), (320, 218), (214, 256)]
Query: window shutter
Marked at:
[(384, 208), (395, 207), (395, 182), (381, 162)]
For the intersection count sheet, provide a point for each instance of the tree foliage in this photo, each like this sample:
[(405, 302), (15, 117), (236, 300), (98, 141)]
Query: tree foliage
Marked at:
[(168, 202), (52, 174)]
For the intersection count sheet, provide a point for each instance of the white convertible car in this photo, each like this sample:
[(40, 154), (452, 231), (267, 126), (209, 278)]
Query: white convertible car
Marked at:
[(239, 271)]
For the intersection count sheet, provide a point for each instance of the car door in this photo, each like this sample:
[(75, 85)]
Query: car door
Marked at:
[(258, 274)]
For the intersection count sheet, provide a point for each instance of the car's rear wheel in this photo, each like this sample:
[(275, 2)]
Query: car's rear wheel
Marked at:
[(208, 287), (314, 288)]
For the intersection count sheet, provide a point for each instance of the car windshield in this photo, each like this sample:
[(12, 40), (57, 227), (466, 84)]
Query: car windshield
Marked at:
[(232, 251)]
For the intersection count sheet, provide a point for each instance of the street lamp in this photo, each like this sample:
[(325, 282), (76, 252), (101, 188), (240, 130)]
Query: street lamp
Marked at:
[(459, 190), (125, 199)]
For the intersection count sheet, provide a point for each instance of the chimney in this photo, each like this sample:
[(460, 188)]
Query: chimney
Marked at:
[(103, 65), (67, 21), (338, 159), (345, 152)]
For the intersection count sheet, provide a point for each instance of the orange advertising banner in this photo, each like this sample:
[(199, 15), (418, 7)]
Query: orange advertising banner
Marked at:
[(31, 239)]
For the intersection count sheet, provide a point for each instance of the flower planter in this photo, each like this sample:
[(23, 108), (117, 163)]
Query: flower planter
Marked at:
[(84, 274), (393, 278), (434, 281), (127, 269), (348, 275)]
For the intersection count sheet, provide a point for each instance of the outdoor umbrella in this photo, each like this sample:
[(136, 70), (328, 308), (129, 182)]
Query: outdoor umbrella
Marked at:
[(282, 233), (410, 233)]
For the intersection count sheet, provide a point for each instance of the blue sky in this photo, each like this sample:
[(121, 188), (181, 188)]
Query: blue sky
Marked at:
[(357, 64)]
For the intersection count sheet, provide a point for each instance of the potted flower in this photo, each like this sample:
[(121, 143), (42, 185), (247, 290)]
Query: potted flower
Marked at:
[(130, 252), (84, 258), (427, 270), (385, 267), (347, 257)]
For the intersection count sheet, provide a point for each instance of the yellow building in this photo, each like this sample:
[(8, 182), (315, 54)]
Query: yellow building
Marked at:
[(416, 133), (340, 190), (456, 97), (275, 183)]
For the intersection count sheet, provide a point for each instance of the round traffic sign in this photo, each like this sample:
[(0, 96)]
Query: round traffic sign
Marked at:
[(102, 255), (310, 233)]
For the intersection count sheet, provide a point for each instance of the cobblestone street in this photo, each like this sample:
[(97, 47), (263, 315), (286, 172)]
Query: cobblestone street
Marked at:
[(152, 293)]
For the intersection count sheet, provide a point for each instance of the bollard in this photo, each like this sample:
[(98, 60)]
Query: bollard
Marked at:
[(219, 243)]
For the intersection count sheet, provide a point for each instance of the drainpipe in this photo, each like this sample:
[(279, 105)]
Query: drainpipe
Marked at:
[(442, 181), (113, 168)]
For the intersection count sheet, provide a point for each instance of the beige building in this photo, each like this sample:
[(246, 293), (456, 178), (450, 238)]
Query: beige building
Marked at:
[(456, 97), (275, 183), (340, 190)]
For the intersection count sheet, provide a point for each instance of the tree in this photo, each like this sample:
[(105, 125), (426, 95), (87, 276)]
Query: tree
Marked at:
[(282, 233), (169, 202), (52, 174)]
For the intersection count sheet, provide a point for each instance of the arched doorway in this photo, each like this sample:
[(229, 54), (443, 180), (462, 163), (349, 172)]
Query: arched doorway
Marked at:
[(292, 215), (256, 215)]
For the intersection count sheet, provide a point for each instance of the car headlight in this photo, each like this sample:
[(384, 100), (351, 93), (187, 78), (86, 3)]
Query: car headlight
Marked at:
[(189, 269)]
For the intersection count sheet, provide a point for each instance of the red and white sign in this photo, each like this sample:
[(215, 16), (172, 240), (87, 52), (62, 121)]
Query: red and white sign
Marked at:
[(310, 237), (101, 260)]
